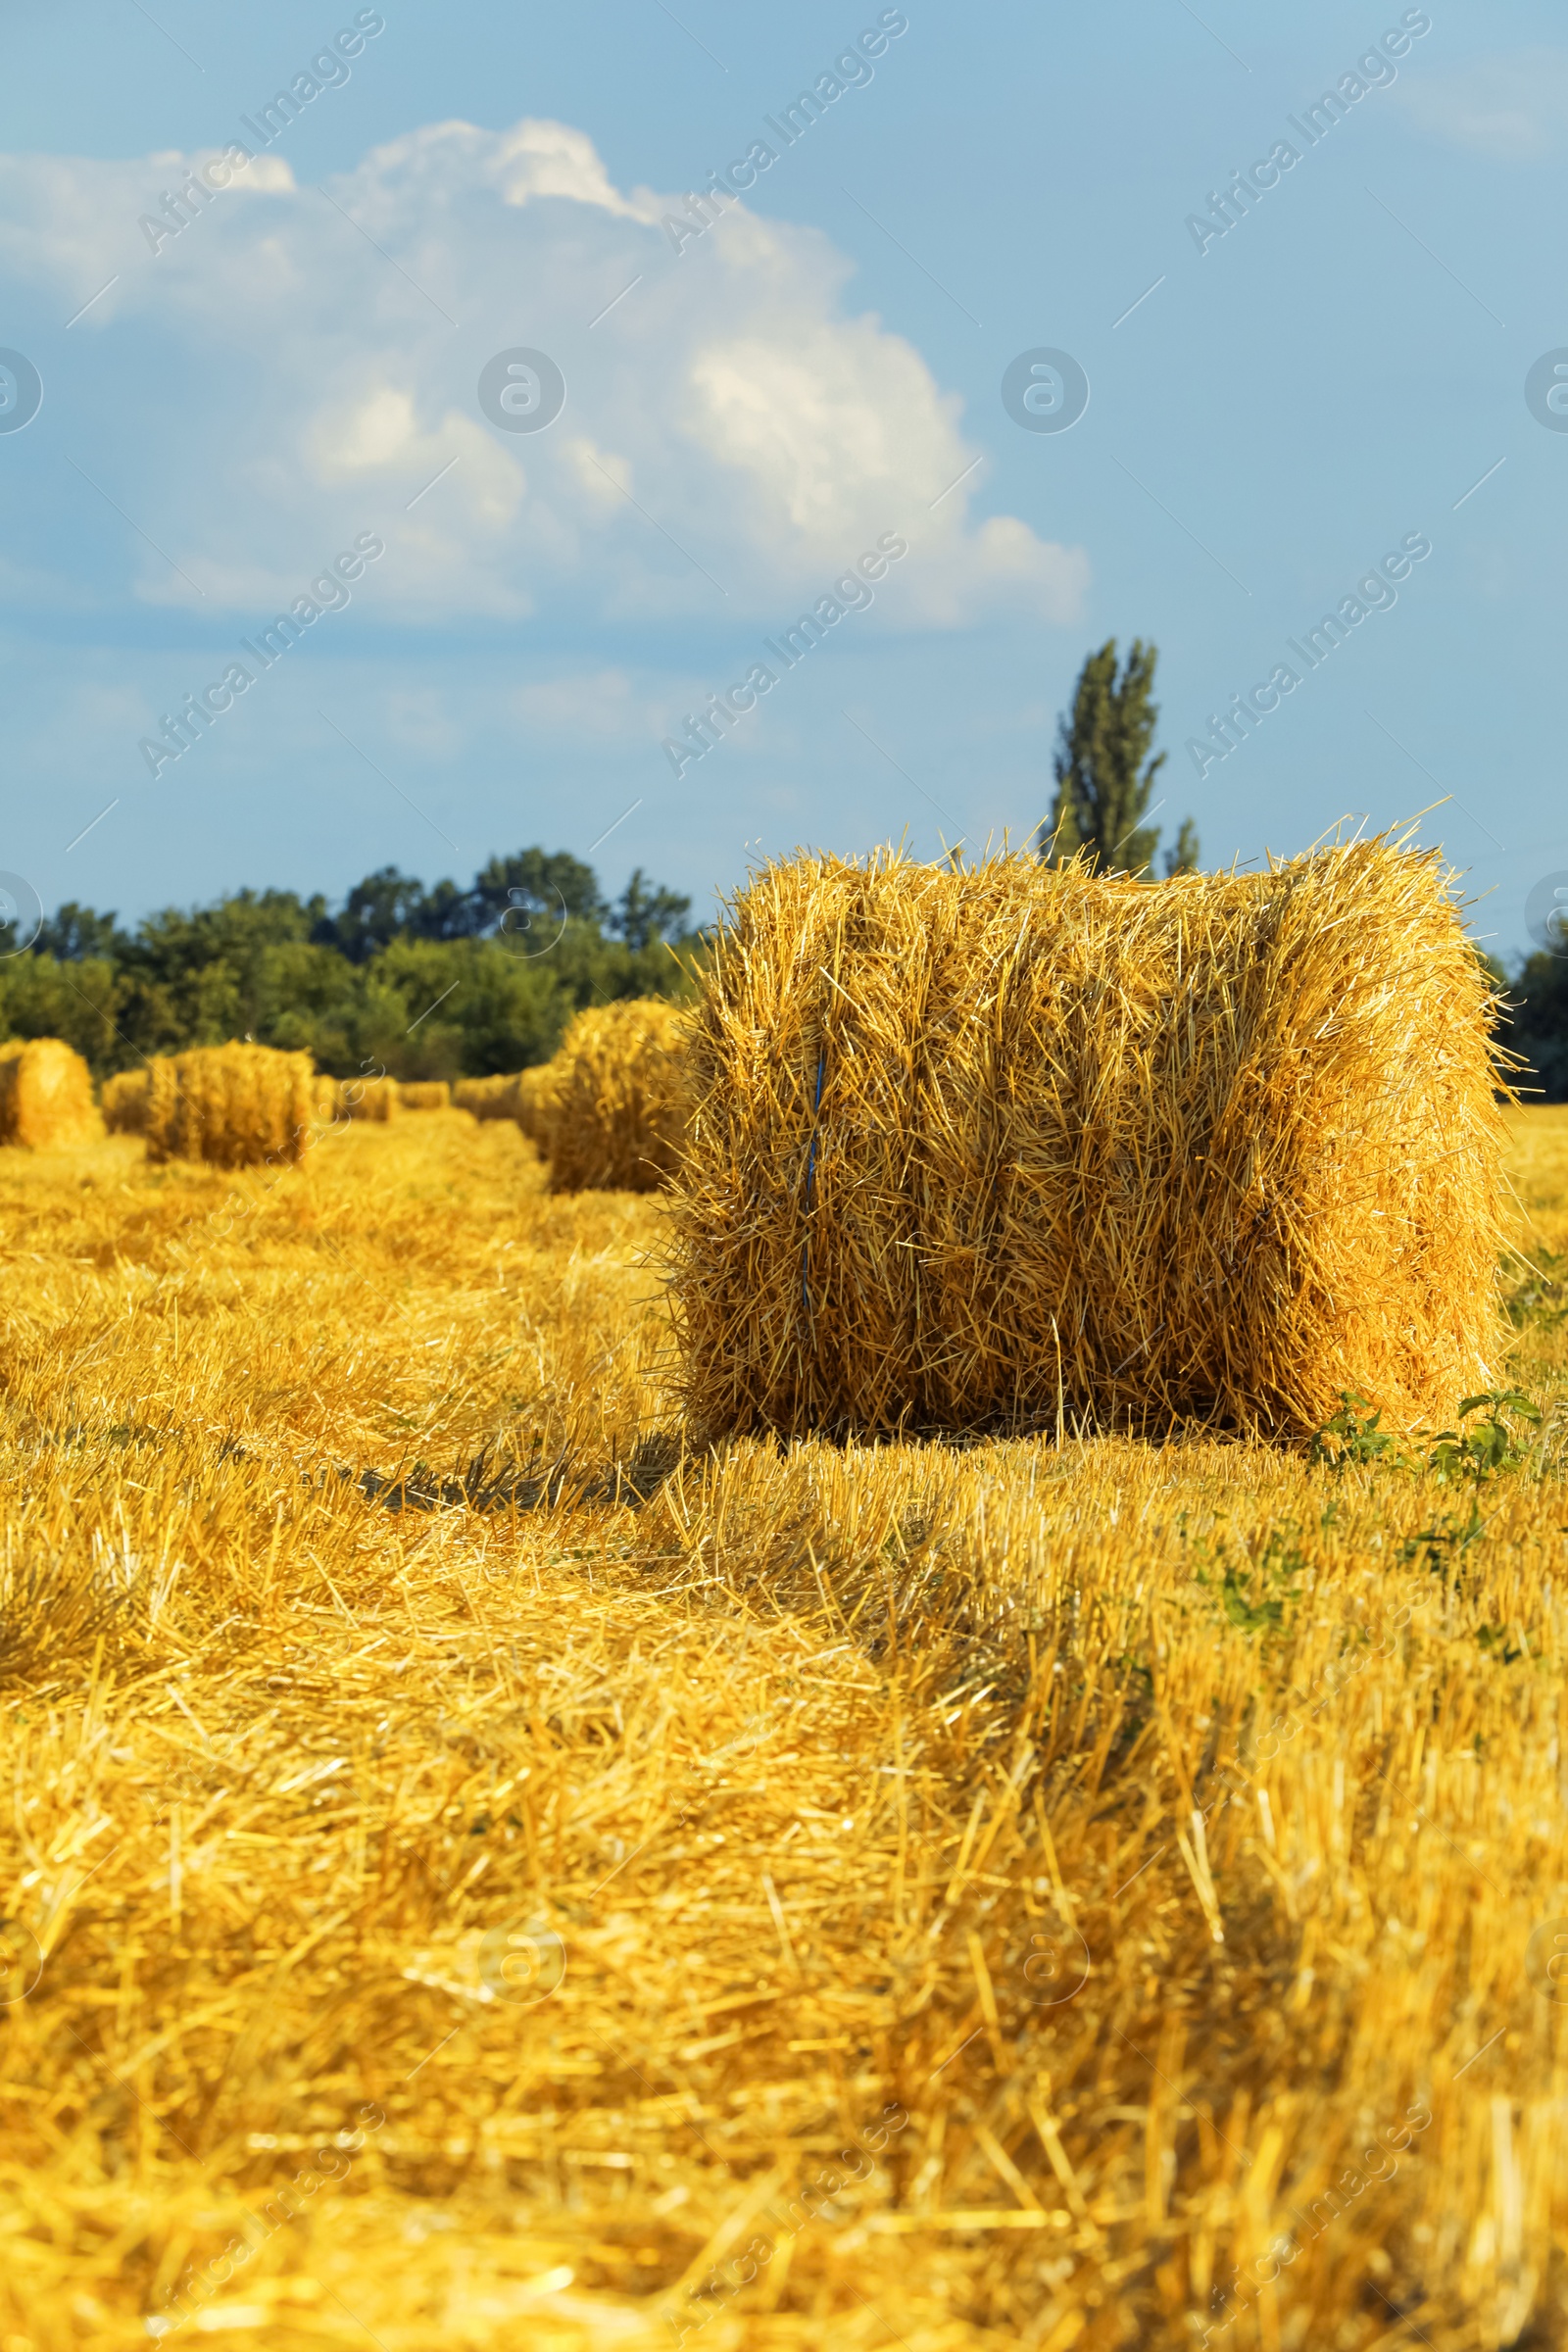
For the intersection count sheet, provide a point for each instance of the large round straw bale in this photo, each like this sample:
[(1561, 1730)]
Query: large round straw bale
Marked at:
[(230, 1104), (981, 1150), (45, 1095), (425, 1093), (124, 1102), (612, 1110)]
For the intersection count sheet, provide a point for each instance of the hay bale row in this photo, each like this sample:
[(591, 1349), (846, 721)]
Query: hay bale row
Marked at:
[(227, 1104), (607, 1111), (230, 1105), (46, 1096), (977, 1151)]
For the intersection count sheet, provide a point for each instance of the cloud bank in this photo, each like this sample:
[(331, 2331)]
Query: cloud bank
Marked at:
[(731, 431)]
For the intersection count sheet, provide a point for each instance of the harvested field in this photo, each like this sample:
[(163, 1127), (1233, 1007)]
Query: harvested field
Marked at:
[(478, 1877)]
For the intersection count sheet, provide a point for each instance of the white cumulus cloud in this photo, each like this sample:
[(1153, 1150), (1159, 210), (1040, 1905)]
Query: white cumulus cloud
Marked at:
[(732, 432), (1512, 107)]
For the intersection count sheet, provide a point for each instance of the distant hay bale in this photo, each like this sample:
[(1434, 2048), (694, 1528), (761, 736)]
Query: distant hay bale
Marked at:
[(982, 1150), (325, 1100), (611, 1108), (46, 1096), (531, 1099), (485, 1097), (230, 1105), (425, 1093), (522, 1096), (369, 1098), (124, 1102)]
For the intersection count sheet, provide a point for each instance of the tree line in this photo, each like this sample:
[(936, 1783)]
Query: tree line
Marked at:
[(445, 981), (433, 981)]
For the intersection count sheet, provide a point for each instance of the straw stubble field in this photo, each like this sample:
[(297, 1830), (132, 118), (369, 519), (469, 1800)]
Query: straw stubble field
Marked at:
[(497, 1882)]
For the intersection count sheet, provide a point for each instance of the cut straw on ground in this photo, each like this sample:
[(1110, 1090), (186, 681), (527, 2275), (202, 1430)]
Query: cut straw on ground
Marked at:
[(832, 1800)]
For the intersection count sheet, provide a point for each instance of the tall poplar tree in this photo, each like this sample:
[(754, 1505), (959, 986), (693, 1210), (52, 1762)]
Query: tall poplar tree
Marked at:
[(1183, 858), (1104, 772)]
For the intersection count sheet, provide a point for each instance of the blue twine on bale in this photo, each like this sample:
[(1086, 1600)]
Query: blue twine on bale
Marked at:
[(810, 1165)]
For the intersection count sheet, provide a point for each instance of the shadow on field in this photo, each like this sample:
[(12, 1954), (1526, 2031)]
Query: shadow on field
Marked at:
[(484, 1488)]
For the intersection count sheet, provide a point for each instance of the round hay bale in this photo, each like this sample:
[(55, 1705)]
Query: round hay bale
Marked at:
[(230, 1105), (1014, 1147), (530, 1100), (521, 1096), (611, 1107), (485, 1097), (46, 1096), (124, 1102), (375, 1099), (425, 1093)]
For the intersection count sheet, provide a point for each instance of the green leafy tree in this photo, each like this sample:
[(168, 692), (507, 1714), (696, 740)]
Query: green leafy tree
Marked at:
[(194, 978), (386, 906), (540, 884), (1104, 774), (74, 932), (76, 1000), (523, 897), (643, 914), (1536, 1023)]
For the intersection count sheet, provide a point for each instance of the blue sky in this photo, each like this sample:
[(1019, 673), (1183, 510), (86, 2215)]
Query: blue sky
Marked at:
[(1272, 411)]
